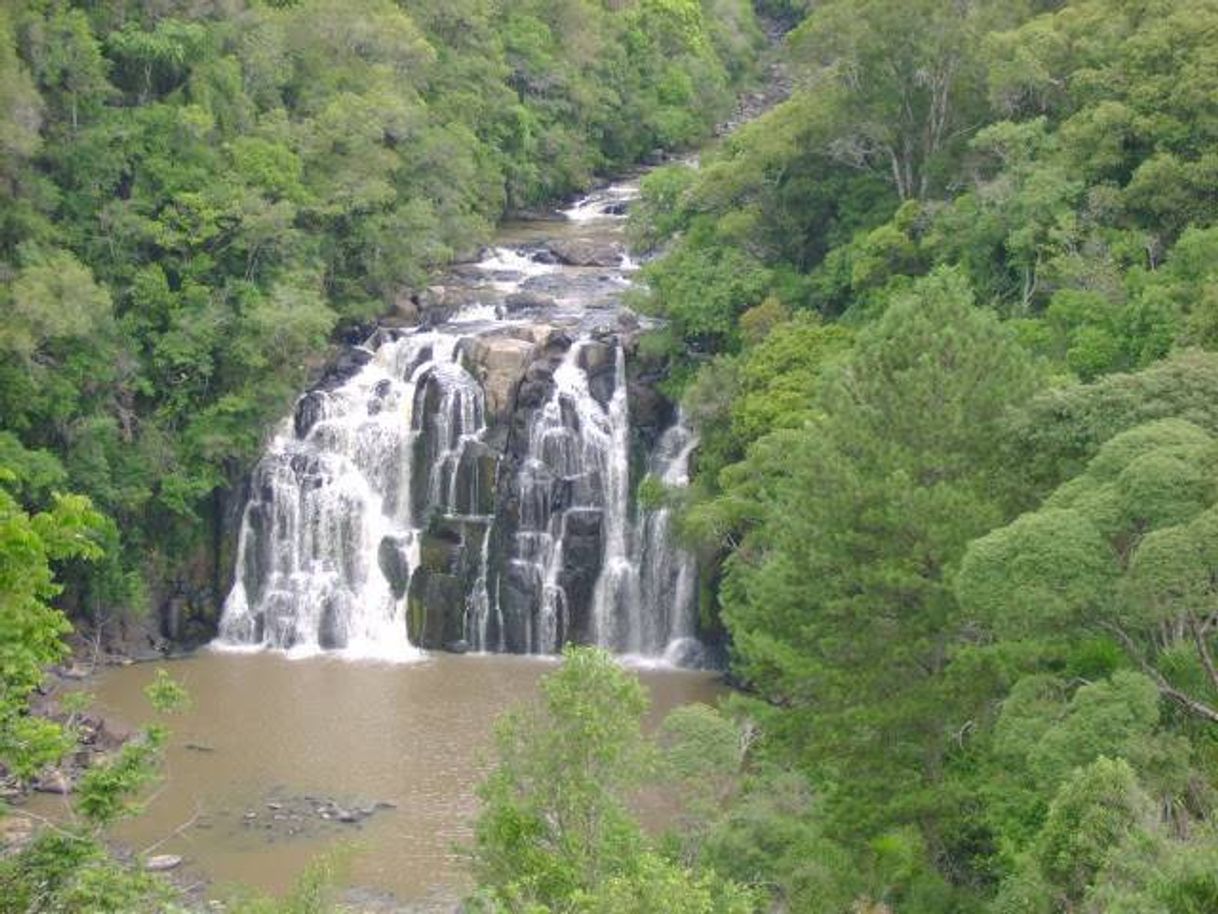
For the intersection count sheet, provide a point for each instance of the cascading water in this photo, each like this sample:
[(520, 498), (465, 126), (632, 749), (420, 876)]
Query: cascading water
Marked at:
[(668, 575), (330, 534), (573, 468), (470, 485)]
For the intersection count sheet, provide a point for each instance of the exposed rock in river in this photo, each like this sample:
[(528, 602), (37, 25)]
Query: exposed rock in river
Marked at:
[(587, 252)]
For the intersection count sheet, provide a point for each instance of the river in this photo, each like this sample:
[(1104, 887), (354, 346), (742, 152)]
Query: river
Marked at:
[(340, 736)]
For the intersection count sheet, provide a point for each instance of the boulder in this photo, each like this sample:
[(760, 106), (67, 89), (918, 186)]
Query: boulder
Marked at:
[(650, 411), (528, 301), (160, 863), (587, 252), (499, 362), (597, 356), (599, 362), (403, 313), (344, 368), (309, 409), (391, 555), (54, 781)]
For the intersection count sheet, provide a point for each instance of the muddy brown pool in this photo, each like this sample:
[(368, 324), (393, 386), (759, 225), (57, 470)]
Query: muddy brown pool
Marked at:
[(264, 729)]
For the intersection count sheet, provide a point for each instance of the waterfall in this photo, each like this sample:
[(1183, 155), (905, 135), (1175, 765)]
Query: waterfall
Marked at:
[(668, 576), (616, 602), (330, 534), (471, 485), (571, 461)]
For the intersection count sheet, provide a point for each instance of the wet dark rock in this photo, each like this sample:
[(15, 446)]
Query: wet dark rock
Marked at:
[(353, 333), (404, 313), (476, 480), (332, 629), (544, 256), (535, 391), (344, 368), (601, 386), (309, 409), (379, 392), (650, 411), (440, 549), (596, 357), (460, 646), (435, 608), (519, 590), (582, 548), (392, 557)]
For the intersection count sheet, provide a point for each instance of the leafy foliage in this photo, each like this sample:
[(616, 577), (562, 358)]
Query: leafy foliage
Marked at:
[(556, 832), (942, 321)]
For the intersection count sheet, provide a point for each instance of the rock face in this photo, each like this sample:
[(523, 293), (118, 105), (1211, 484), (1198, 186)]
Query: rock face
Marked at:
[(498, 362), (448, 569)]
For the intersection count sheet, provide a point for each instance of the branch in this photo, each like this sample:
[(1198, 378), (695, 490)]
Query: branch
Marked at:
[(53, 826), (1203, 649), (1165, 688), (177, 831)]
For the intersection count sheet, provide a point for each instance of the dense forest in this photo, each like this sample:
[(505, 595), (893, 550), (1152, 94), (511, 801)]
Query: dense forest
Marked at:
[(944, 321)]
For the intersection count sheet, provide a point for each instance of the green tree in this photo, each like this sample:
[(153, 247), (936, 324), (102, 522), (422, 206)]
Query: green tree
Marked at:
[(840, 601), (31, 630), (556, 831), (1121, 550)]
